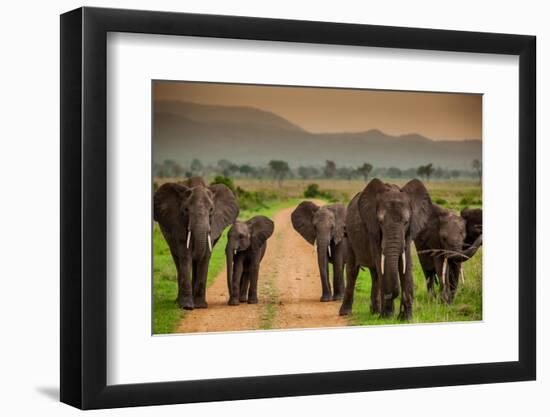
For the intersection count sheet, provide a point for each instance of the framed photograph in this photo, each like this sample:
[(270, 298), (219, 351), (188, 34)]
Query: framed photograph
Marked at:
[(256, 208)]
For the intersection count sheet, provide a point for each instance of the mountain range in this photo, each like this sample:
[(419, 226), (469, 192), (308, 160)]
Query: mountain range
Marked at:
[(184, 131)]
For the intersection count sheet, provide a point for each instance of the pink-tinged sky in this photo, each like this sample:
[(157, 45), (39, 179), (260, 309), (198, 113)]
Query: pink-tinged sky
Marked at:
[(439, 116)]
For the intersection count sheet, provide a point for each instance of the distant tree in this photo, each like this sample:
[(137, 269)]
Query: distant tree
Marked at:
[(455, 173), (439, 173), (223, 164), (393, 172), (279, 170), (330, 169), (246, 170), (345, 173), (425, 171), (196, 167), (227, 168), (476, 164), (365, 170), (171, 168)]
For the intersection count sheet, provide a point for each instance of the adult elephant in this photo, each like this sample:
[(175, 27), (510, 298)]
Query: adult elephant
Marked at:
[(381, 222), (325, 227), (246, 246), (447, 241), (192, 217)]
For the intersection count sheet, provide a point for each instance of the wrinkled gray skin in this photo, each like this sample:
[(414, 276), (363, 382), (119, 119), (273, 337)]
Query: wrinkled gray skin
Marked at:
[(246, 246), (381, 223), (324, 227), (192, 216), (443, 245)]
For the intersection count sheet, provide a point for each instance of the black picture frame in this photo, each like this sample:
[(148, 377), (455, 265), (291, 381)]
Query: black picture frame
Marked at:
[(84, 207)]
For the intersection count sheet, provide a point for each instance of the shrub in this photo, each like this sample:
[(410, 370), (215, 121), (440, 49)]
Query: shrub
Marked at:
[(441, 201), (220, 179), (313, 191)]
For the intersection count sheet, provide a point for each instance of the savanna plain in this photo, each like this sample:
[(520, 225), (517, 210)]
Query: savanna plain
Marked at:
[(289, 284)]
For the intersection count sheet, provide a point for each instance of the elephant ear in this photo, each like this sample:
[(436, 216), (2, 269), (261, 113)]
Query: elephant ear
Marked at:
[(367, 207), (421, 205), (474, 223), (302, 220), (167, 205), (226, 209), (261, 229), (340, 221)]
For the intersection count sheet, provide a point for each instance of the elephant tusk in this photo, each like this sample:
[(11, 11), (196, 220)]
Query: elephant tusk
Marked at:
[(403, 260), (315, 246), (461, 274), (382, 264), (209, 242), (443, 273), (188, 238), (235, 252), (329, 254)]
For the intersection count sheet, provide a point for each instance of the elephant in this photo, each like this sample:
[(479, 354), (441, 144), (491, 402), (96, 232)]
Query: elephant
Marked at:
[(444, 244), (192, 216), (474, 222), (381, 222), (324, 228), (246, 246)]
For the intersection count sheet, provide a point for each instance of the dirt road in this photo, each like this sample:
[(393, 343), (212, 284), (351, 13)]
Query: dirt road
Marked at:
[(289, 291)]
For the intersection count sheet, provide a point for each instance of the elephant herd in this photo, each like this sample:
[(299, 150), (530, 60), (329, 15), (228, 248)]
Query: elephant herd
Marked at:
[(374, 231)]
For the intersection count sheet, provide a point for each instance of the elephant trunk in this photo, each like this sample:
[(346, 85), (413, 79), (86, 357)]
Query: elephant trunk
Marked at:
[(392, 253), (322, 254), (201, 240), (467, 253), (322, 259)]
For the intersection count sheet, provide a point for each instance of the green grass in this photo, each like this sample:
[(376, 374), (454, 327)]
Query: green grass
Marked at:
[(166, 313), (467, 305)]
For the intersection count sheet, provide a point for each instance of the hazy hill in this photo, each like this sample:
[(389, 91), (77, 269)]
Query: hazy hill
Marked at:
[(183, 131)]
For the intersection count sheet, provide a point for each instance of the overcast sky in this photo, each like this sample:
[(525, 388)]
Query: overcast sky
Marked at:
[(439, 116)]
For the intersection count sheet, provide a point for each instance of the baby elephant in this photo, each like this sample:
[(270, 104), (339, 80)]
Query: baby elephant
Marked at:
[(246, 246), (324, 227), (444, 244)]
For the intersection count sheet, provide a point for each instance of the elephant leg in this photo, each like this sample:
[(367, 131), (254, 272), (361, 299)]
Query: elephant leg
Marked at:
[(407, 288), (327, 290), (245, 282), (199, 298), (253, 272), (430, 283), (338, 282), (352, 270), (194, 276), (185, 290), (443, 280), (237, 283), (454, 272), (375, 303)]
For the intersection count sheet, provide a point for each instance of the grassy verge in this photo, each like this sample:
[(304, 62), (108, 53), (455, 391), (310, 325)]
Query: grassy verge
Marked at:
[(467, 305), (166, 314)]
